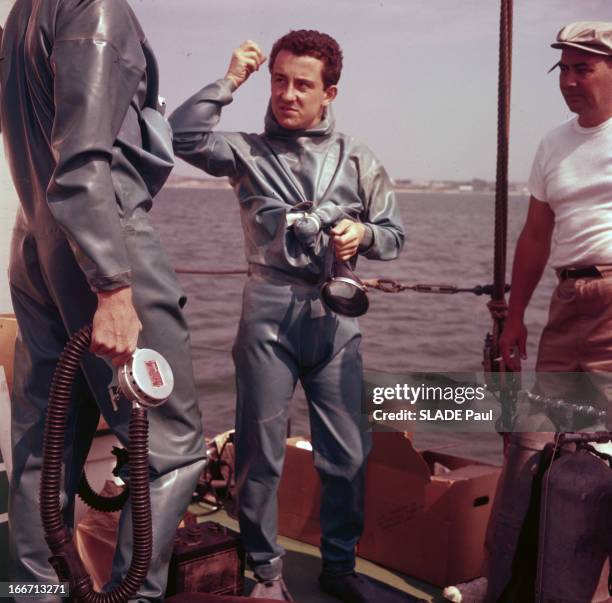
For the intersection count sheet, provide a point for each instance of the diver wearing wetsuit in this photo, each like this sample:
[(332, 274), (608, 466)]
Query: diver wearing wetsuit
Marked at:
[(285, 332), (79, 96)]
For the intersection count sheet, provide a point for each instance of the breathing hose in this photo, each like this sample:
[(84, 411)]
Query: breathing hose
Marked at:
[(99, 502), (65, 558)]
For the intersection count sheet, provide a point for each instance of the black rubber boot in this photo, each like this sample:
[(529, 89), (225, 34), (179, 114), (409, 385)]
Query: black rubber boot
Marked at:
[(355, 588), (351, 588)]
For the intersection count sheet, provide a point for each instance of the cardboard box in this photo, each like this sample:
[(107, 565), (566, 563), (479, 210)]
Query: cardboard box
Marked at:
[(6, 451), (8, 333), (95, 538), (299, 494), (429, 526), (426, 512)]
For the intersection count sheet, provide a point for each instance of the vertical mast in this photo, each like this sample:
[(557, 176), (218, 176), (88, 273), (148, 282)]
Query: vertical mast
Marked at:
[(505, 383), (503, 136)]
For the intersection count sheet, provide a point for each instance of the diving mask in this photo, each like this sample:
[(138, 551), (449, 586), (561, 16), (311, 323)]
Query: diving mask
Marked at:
[(342, 290)]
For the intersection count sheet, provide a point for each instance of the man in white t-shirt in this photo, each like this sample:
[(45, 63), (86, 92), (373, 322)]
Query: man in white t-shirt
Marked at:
[(570, 205)]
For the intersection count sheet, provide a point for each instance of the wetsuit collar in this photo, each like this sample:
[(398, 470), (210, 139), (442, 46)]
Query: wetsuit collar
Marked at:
[(324, 128)]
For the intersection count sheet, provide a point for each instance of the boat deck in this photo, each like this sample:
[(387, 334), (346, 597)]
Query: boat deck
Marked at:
[(302, 565)]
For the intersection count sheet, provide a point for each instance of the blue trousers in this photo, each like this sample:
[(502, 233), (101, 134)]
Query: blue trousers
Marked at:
[(286, 335)]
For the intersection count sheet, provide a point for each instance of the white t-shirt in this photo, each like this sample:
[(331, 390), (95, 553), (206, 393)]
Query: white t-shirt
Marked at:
[(572, 172)]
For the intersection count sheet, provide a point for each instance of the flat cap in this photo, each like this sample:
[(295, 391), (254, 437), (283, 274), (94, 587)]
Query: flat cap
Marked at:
[(590, 36)]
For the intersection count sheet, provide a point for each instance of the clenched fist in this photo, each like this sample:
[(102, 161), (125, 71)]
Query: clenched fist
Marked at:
[(247, 58), (347, 236)]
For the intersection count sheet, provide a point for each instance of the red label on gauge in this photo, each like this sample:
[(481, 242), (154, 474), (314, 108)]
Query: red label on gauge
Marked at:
[(154, 374)]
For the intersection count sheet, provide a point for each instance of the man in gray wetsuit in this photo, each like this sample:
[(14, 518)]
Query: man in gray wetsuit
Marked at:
[(78, 90), (285, 332)]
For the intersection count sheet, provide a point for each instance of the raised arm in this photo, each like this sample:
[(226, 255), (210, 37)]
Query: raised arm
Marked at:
[(193, 122)]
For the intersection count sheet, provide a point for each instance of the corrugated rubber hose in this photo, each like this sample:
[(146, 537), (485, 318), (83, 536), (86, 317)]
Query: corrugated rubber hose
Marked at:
[(65, 558)]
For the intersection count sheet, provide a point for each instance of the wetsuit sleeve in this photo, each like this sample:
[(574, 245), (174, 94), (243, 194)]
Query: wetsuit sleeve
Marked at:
[(192, 124), (97, 63), (382, 214)]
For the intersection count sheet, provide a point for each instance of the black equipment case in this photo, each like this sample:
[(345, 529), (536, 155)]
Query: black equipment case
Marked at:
[(208, 558)]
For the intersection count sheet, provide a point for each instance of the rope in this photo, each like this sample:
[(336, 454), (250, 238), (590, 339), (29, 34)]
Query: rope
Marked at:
[(503, 130), (497, 306)]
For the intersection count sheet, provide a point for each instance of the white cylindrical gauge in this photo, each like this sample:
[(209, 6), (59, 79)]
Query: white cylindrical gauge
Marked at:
[(147, 378)]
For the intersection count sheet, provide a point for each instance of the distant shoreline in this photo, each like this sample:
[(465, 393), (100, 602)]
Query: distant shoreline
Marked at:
[(223, 184), (412, 191)]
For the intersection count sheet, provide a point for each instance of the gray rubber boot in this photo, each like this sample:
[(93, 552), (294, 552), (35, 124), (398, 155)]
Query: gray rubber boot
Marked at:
[(276, 590)]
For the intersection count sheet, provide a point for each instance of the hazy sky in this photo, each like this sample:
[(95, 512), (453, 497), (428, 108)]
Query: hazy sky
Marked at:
[(420, 77)]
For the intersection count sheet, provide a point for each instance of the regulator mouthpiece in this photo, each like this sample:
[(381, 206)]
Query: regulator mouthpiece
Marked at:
[(147, 378)]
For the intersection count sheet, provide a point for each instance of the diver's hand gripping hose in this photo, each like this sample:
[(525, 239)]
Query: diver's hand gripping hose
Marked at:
[(65, 558)]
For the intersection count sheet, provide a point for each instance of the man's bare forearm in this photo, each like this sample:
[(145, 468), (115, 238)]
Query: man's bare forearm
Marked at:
[(530, 260)]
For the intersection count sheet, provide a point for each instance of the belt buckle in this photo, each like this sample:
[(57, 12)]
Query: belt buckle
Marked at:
[(589, 272)]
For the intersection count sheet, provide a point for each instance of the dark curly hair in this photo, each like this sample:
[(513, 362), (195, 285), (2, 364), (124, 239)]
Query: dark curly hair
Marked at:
[(312, 43)]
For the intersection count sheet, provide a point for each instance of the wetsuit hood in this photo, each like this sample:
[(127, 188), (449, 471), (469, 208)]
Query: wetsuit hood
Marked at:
[(324, 128)]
